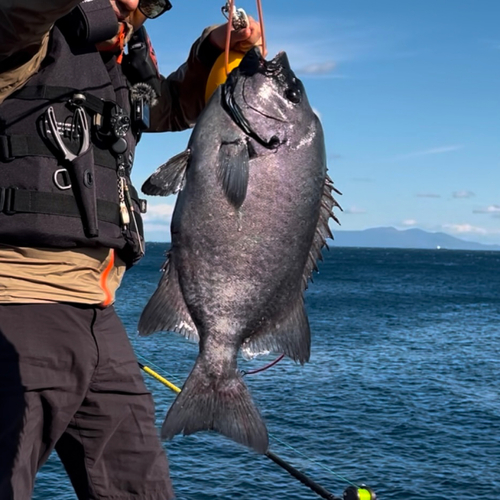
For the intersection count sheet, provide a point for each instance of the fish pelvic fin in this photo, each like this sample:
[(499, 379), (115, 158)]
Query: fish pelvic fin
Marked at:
[(233, 171), (289, 334), (328, 204), (167, 309), (220, 404), (168, 178)]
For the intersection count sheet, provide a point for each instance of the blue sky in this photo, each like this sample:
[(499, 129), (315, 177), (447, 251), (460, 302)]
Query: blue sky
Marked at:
[(408, 93)]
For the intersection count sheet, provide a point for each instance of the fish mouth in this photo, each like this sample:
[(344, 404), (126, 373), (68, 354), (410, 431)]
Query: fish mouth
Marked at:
[(280, 63), (253, 63)]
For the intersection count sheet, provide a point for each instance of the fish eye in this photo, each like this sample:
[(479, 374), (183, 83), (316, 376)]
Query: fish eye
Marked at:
[(293, 95)]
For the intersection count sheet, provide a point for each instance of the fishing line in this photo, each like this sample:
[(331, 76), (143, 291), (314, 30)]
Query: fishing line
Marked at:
[(228, 35), (272, 456), (177, 380), (269, 365), (313, 461)]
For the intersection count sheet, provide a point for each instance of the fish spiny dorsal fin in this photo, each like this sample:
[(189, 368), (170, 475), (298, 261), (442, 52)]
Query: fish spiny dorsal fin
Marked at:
[(233, 171), (169, 178), (328, 203)]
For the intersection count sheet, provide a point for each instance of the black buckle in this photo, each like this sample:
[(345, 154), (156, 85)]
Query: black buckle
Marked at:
[(7, 197), (5, 151)]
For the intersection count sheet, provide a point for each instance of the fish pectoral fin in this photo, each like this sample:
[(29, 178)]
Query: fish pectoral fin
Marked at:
[(328, 203), (222, 404), (169, 178), (233, 171), (167, 309), (289, 334)]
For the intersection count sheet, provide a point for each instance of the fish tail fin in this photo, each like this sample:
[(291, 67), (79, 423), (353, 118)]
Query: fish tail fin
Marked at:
[(220, 404)]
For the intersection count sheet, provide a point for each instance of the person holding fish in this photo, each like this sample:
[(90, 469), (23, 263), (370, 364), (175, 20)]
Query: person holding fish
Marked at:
[(73, 105)]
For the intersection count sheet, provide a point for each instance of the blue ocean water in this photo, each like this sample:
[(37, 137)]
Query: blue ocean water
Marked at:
[(401, 393)]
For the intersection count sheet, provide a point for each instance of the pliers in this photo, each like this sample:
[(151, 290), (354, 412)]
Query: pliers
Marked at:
[(79, 120)]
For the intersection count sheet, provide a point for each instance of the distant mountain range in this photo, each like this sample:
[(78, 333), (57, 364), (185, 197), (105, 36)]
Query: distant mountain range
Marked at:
[(389, 237)]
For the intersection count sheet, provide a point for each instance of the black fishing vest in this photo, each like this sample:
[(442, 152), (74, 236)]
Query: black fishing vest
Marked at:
[(47, 200)]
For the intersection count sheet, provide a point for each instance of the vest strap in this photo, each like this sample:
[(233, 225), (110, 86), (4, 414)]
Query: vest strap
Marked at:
[(60, 94), (18, 146), (14, 200)]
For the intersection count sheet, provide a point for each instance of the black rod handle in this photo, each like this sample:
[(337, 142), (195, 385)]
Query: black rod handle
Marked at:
[(322, 492)]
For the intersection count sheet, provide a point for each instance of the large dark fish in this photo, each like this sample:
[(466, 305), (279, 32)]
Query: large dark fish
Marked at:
[(249, 224)]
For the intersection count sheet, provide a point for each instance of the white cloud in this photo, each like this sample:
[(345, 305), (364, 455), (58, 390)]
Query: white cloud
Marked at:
[(431, 151), (463, 194), (354, 210), (428, 195), (492, 209), (321, 68), (469, 229), (409, 222), (159, 213), (157, 222), (162, 228), (317, 43)]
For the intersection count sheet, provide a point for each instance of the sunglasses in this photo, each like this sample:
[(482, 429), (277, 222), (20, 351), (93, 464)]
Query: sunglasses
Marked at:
[(154, 8)]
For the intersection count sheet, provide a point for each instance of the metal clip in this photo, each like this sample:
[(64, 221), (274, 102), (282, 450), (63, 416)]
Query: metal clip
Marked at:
[(239, 19), (64, 176)]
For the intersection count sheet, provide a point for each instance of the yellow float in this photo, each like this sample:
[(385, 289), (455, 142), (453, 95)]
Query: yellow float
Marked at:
[(218, 74)]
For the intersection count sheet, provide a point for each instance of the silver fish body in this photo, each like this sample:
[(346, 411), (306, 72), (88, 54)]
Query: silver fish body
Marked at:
[(250, 220)]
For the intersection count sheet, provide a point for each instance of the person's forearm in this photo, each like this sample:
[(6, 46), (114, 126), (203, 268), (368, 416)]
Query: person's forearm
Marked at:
[(24, 23), (183, 92)]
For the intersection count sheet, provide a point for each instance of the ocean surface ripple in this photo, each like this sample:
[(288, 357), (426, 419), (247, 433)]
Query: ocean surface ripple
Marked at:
[(401, 392)]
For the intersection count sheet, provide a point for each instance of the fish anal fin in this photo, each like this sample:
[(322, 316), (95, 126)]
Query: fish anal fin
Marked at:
[(290, 334), (221, 404), (166, 309), (233, 171), (168, 178)]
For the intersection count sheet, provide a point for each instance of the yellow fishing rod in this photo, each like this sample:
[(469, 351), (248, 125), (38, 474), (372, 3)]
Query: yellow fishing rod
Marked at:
[(353, 492)]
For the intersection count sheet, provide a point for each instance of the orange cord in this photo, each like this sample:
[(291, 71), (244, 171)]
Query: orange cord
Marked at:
[(228, 34), (108, 296), (121, 43), (261, 20)]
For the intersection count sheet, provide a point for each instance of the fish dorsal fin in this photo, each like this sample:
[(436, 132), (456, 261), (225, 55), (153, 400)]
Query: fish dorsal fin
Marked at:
[(166, 309), (328, 203), (289, 334), (233, 171), (169, 178)]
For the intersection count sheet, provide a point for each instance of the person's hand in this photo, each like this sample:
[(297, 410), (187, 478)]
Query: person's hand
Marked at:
[(242, 40)]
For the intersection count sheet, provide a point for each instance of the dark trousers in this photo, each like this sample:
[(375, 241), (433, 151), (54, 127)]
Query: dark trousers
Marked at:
[(69, 380)]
